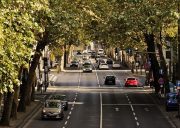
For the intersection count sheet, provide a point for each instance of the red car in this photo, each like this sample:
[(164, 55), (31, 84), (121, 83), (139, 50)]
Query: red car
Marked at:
[(131, 82)]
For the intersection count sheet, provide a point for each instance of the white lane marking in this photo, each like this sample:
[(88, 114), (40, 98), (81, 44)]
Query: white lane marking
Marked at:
[(101, 110), (65, 123), (128, 104), (79, 81), (135, 118), (73, 103), (117, 109), (96, 75), (137, 123), (75, 99), (72, 108), (63, 127), (134, 113), (68, 117), (70, 113), (146, 109), (132, 108), (54, 79)]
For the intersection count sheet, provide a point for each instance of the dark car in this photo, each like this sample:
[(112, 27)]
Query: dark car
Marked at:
[(52, 109), (74, 63), (110, 80), (109, 61), (63, 99), (171, 101)]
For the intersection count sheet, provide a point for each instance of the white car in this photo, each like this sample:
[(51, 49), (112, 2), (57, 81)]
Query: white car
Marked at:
[(116, 66), (103, 66)]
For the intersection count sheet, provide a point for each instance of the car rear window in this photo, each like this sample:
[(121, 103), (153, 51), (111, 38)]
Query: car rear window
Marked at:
[(110, 77), (131, 79)]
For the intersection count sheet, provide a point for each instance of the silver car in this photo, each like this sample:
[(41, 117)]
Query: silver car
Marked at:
[(87, 68), (52, 109)]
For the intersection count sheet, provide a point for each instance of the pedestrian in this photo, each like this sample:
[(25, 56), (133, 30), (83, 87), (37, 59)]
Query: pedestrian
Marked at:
[(151, 83)]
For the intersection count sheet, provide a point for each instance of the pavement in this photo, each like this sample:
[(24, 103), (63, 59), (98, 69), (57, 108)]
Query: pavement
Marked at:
[(172, 116), (23, 117)]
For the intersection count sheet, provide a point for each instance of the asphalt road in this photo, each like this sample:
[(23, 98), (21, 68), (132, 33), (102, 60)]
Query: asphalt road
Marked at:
[(95, 105)]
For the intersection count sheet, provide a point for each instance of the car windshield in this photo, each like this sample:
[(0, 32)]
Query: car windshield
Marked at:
[(58, 97), (50, 104), (87, 66)]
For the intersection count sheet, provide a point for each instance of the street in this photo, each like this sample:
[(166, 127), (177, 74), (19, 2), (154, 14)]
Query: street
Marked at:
[(95, 105)]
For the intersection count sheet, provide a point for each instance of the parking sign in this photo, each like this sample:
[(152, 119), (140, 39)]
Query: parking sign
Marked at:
[(178, 84)]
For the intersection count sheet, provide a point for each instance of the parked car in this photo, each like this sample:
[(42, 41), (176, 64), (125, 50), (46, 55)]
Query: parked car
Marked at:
[(63, 99), (87, 68), (103, 66), (131, 82), (52, 109), (171, 101), (110, 79), (74, 63)]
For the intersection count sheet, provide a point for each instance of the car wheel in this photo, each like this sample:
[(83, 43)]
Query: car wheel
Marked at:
[(62, 116), (66, 108)]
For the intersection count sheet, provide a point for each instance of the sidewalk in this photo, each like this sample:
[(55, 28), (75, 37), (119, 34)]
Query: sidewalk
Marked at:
[(171, 115), (23, 117)]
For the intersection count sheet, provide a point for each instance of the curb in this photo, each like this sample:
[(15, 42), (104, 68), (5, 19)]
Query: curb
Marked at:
[(28, 116), (160, 107)]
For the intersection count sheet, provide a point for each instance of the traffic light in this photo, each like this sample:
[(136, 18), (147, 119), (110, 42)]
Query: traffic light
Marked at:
[(129, 51)]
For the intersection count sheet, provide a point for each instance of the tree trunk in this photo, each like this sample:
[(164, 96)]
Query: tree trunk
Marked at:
[(31, 77), (34, 63), (15, 102), (23, 86), (149, 39), (8, 99), (33, 89), (0, 103)]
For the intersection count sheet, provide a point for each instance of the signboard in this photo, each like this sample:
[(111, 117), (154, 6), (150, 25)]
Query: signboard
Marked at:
[(161, 81), (161, 71), (178, 84)]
